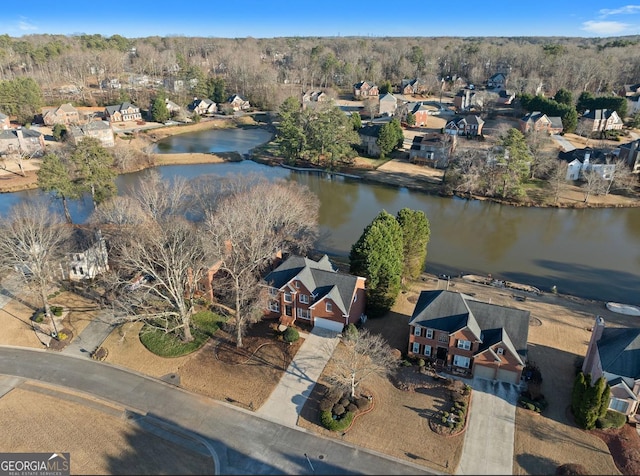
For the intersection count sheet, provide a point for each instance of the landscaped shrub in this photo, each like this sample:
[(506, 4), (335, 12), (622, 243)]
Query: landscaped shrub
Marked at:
[(352, 407), (351, 332), (57, 310), (328, 422), (421, 363), (334, 395), (291, 335), (611, 419), (338, 409), (39, 318), (344, 401)]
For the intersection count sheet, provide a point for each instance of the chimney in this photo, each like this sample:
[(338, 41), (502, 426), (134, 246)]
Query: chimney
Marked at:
[(596, 334)]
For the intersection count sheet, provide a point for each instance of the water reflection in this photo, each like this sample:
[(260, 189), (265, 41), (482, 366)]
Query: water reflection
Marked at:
[(240, 140)]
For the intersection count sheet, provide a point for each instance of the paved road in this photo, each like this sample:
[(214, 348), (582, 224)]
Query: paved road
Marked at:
[(243, 442), (489, 438)]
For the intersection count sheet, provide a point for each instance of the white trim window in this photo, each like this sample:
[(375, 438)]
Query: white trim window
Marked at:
[(464, 344), (303, 313), (618, 405), (287, 297), (429, 333), (273, 291), (303, 298), (274, 306), (460, 361), (443, 338), (296, 283), (416, 348), (328, 306), (417, 331), (427, 350)]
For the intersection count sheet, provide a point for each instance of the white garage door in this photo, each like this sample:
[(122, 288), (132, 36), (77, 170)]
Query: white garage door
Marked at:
[(508, 376), (484, 372), (328, 324)]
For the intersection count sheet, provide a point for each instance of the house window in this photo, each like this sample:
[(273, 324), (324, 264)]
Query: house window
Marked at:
[(303, 298), (416, 348), (443, 338), (81, 270), (328, 307), (273, 292), (618, 405), (274, 306), (429, 333), (296, 283), (287, 297), (75, 271), (303, 313), (500, 351), (416, 331), (460, 361), (427, 350), (464, 344), (288, 310)]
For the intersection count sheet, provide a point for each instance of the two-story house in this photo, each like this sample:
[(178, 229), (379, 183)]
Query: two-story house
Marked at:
[(465, 336), (238, 103), (465, 126), (497, 81), (88, 257), (585, 160), (600, 120), (313, 292), (21, 141), (122, 113), (431, 149), (65, 114), (369, 139), (539, 122), (387, 105), (365, 89), (312, 98), (413, 86), (100, 130), (613, 354), (630, 154), (203, 106)]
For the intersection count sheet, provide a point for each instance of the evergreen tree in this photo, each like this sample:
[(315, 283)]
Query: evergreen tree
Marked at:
[(94, 166), (411, 119), (56, 175), (159, 111), (291, 137), (514, 164), (415, 238), (564, 97), (356, 119), (20, 97), (589, 402), (377, 256), (390, 137)]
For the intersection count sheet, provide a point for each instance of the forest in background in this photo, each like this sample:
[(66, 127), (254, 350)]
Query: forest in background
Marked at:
[(267, 71)]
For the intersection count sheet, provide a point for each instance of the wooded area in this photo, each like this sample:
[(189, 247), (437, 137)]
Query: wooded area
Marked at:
[(267, 71)]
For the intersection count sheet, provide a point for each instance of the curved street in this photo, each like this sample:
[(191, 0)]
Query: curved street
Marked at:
[(243, 442)]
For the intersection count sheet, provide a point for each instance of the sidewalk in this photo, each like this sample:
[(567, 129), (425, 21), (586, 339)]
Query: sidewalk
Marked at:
[(88, 341), (286, 401)]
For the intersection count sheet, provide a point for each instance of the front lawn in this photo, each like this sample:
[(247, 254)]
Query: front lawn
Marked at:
[(204, 324)]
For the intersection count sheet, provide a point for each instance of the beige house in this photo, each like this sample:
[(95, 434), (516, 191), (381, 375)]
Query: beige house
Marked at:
[(238, 103), (600, 120), (613, 354), (122, 112), (88, 257), (388, 105), (100, 130), (538, 122), (65, 114), (21, 140)]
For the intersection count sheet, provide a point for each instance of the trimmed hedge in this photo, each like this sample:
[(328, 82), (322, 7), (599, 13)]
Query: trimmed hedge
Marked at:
[(326, 418), (612, 419), (534, 405), (291, 335)]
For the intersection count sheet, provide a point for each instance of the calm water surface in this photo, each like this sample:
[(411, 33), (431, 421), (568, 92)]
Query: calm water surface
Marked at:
[(590, 253), (240, 140)]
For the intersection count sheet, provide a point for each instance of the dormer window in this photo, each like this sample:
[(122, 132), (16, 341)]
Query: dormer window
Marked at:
[(287, 297)]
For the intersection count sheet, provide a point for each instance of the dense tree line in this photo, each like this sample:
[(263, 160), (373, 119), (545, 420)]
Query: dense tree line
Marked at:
[(268, 71)]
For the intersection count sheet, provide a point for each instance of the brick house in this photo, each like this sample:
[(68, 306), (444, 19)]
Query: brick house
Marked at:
[(65, 114), (600, 120), (313, 292), (122, 113), (537, 121), (468, 337), (613, 354), (432, 149), (365, 89)]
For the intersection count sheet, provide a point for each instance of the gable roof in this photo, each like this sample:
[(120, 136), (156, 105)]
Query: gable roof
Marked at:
[(319, 277), (491, 337), (372, 130), (388, 97), (119, 107), (619, 350), (12, 134), (600, 114), (451, 311)]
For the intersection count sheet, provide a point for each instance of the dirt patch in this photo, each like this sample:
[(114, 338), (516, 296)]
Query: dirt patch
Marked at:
[(624, 445)]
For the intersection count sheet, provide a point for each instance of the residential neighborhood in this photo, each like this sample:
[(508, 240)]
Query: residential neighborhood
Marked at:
[(288, 319)]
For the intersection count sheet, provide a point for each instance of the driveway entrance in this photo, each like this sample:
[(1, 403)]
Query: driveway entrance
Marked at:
[(489, 438)]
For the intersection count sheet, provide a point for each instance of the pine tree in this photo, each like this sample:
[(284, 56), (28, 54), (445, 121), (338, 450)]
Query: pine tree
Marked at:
[(378, 256), (159, 111)]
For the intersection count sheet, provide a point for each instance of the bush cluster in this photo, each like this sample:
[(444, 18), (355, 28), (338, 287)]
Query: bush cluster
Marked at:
[(56, 310), (611, 419), (537, 405), (291, 335), (338, 409)]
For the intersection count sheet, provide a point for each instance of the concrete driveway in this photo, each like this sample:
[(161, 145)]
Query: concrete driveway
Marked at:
[(564, 143), (489, 438)]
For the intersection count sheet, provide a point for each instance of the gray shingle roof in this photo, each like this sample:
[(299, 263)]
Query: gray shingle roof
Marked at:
[(619, 350), (13, 133), (119, 107), (319, 277), (451, 311)]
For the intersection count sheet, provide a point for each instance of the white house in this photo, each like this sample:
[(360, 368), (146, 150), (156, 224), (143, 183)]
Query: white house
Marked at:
[(577, 167)]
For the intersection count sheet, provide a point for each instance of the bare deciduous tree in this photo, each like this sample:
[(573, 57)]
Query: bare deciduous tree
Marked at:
[(246, 230), (558, 178), (593, 184), (358, 358), (32, 242)]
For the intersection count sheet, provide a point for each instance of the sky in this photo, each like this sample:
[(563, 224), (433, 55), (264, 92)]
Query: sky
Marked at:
[(287, 18)]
